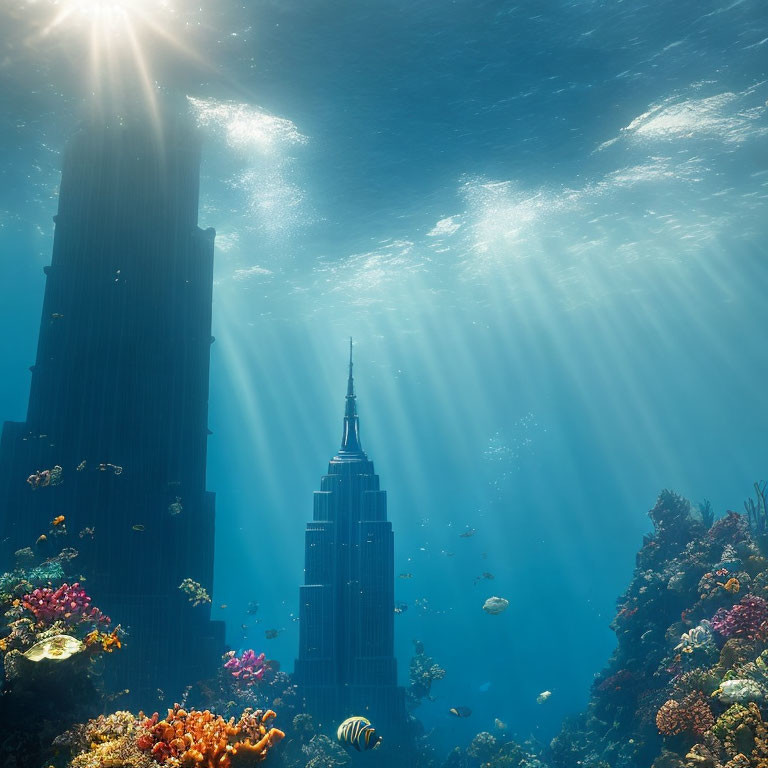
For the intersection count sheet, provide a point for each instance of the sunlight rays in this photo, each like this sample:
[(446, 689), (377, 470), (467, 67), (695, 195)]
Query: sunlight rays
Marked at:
[(120, 42)]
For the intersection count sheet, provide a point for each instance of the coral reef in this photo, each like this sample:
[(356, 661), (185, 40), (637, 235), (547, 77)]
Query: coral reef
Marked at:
[(68, 604), (688, 681), (248, 667), (747, 619), (691, 714), (488, 751), (49, 645), (422, 673), (195, 592), (182, 738)]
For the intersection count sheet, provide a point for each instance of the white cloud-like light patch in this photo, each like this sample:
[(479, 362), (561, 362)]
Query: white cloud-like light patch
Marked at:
[(247, 128), (445, 227), (366, 276), (260, 147), (728, 117), (226, 242), (249, 273)]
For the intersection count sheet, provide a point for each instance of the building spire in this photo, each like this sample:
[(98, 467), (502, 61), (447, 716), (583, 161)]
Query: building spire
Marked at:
[(350, 440)]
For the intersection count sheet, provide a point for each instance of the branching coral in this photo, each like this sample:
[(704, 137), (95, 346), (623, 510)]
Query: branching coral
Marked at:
[(748, 618), (196, 593), (248, 667), (111, 741), (422, 673), (181, 739), (70, 604), (202, 738), (691, 714)]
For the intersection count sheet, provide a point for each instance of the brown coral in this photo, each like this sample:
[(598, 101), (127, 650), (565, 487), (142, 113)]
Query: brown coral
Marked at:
[(691, 714)]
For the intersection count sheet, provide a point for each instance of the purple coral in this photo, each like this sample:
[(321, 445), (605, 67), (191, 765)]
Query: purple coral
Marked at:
[(248, 666), (70, 604), (748, 618)]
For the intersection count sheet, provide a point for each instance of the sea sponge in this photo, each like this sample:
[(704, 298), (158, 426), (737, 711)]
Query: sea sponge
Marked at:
[(57, 648)]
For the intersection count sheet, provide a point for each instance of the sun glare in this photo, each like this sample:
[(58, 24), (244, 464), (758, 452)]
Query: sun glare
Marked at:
[(108, 16), (124, 39)]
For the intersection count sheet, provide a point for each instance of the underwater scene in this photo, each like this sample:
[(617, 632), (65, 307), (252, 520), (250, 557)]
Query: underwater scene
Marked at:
[(383, 383)]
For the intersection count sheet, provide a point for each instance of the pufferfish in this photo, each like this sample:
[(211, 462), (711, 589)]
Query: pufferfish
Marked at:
[(358, 732)]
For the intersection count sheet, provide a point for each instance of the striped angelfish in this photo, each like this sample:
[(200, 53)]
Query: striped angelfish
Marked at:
[(358, 732)]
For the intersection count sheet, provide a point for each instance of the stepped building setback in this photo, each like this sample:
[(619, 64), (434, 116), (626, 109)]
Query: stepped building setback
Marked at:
[(119, 399), (346, 663)]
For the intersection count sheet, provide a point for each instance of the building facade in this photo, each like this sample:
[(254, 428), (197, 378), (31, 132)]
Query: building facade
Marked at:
[(119, 399), (346, 664)]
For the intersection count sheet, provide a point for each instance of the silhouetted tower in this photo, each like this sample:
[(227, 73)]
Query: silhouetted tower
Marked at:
[(346, 663), (121, 381)]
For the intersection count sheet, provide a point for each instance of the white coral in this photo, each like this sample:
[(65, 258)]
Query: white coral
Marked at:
[(739, 691), (700, 636)]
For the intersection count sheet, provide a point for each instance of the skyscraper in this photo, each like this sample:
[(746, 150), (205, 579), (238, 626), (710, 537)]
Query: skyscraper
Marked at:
[(346, 663), (119, 398)]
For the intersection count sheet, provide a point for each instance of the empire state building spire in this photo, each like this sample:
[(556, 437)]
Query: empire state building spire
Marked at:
[(350, 440)]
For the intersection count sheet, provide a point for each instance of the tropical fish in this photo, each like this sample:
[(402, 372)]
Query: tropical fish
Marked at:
[(543, 696), (460, 711), (406, 575), (484, 575), (500, 724), (253, 608), (41, 539), (358, 732), (138, 527), (401, 607), (271, 634), (223, 606), (494, 605), (57, 520), (468, 533)]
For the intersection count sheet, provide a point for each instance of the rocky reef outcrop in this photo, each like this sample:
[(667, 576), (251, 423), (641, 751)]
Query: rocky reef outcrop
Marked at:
[(687, 686)]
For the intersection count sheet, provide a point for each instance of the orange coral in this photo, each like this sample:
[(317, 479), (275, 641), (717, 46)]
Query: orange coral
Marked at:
[(107, 640), (691, 714), (203, 739), (732, 585)]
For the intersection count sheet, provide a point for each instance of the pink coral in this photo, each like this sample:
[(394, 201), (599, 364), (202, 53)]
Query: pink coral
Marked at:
[(247, 667), (748, 618), (70, 604)]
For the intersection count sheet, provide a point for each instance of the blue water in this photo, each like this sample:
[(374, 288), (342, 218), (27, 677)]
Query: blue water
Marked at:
[(544, 225)]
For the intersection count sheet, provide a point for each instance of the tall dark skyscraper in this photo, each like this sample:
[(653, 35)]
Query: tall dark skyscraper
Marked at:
[(119, 398), (346, 663)]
